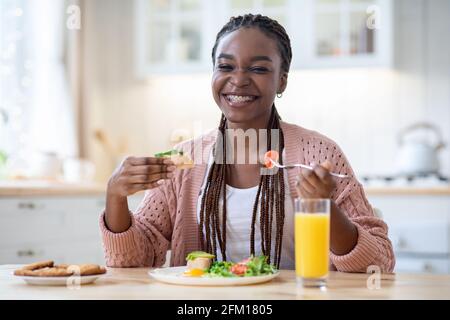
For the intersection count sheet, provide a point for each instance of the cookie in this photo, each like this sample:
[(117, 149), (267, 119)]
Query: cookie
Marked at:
[(44, 272), (23, 272), (48, 269), (38, 265), (86, 269)]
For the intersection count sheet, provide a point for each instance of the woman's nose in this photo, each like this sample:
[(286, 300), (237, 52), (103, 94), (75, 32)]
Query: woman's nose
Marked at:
[(240, 78)]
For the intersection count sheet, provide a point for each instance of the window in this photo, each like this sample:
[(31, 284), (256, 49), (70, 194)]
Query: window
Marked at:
[(35, 105)]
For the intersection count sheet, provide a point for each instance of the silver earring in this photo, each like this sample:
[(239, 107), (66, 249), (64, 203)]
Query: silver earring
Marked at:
[(279, 95)]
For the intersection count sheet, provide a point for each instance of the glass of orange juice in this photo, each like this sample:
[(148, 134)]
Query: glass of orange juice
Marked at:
[(312, 241)]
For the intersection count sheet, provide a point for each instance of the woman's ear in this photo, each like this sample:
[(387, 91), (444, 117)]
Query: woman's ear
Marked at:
[(283, 82)]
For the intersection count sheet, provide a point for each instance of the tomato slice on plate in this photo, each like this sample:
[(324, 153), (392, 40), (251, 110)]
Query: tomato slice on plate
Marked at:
[(271, 154)]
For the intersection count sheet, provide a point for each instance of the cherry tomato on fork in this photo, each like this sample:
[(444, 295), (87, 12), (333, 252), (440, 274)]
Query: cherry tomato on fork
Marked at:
[(271, 154)]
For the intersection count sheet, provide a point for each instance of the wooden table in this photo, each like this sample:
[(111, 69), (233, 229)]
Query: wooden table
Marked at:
[(134, 283)]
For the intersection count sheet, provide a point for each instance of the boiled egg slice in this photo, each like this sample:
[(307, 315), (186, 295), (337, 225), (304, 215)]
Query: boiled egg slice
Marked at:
[(194, 273)]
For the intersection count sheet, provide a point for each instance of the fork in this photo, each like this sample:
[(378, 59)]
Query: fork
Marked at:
[(290, 166)]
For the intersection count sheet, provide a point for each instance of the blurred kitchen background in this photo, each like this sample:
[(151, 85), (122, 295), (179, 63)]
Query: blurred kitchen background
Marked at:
[(85, 82)]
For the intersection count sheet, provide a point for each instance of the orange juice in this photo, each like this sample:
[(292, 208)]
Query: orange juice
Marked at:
[(312, 244)]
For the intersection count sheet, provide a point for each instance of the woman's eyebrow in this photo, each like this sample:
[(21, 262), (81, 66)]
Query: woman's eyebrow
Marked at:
[(225, 56), (261, 58), (252, 59)]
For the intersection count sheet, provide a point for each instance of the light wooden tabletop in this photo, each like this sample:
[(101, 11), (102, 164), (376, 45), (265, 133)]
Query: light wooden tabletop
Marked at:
[(134, 283)]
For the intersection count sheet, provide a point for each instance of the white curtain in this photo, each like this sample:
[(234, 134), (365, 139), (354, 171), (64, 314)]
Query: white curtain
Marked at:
[(37, 98)]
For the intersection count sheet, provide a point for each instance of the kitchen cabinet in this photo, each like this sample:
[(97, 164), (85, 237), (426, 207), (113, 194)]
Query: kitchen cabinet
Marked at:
[(176, 36), (343, 33), (61, 228), (419, 228), (170, 36)]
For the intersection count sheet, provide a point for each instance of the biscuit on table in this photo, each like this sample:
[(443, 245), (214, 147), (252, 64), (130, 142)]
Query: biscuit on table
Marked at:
[(23, 272), (38, 265), (44, 272), (52, 272), (48, 269), (86, 269)]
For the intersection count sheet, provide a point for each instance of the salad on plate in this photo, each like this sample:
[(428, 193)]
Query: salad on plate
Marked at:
[(200, 264)]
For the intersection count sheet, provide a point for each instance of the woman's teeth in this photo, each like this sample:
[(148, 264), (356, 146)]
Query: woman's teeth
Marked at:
[(237, 99)]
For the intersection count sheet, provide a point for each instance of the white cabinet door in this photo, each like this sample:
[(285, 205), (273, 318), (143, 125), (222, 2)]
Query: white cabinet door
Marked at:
[(426, 237), (419, 228), (343, 33), (64, 229), (422, 265), (58, 228), (170, 36), (80, 251), (47, 219)]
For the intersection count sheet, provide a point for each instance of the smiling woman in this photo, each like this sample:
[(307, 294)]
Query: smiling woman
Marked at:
[(245, 81), (235, 67), (234, 210)]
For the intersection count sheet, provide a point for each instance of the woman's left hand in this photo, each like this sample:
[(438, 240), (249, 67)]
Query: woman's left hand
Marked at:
[(317, 183)]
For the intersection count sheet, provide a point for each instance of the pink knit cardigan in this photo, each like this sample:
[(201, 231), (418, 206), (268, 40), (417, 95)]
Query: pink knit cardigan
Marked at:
[(167, 216)]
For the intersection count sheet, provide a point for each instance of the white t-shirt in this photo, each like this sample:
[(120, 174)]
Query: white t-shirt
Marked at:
[(239, 218)]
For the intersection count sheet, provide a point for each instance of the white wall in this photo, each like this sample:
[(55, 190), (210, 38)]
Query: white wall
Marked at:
[(361, 109)]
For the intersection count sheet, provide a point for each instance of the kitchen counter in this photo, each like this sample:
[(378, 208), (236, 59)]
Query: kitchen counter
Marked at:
[(53, 188), (134, 283), (48, 188), (408, 191)]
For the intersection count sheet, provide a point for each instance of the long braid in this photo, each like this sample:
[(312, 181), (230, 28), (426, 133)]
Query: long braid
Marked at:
[(218, 190), (255, 210), (273, 183), (280, 201), (224, 205), (271, 189), (265, 248), (202, 209)]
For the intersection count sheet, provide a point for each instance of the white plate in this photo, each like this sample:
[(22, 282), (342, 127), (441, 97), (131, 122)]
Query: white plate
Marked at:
[(60, 281), (175, 276)]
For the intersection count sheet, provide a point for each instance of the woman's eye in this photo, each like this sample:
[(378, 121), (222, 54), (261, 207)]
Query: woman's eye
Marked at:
[(224, 67), (259, 69)]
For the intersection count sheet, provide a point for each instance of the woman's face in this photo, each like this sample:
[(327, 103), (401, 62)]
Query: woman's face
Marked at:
[(247, 76)]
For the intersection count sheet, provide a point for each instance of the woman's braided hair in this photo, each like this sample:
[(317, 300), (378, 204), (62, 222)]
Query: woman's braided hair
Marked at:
[(271, 189)]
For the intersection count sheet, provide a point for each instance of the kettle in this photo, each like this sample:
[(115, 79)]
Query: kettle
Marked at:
[(419, 157)]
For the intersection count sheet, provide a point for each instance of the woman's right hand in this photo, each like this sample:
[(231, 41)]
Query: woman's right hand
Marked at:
[(139, 173)]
